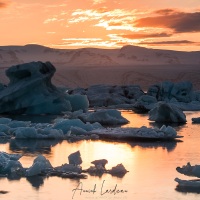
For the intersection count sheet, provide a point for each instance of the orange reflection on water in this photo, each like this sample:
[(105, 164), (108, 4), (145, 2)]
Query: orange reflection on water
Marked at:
[(135, 120), (114, 152), (151, 166)]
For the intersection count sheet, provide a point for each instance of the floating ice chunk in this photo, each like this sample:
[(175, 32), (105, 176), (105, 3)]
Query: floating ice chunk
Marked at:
[(97, 125), (77, 131), (118, 170), (170, 131), (107, 95), (106, 117), (41, 158), (66, 124), (16, 124), (4, 120), (145, 102), (163, 128), (101, 162), (196, 120), (164, 112), (189, 170), (4, 128), (2, 134), (50, 133), (39, 164), (10, 156), (12, 166), (7, 161), (69, 168), (182, 91), (135, 133), (25, 133), (78, 102), (192, 184), (55, 134), (75, 158), (96, 170)]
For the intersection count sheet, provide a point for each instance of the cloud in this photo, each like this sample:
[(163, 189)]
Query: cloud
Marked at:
[(166, 11), (98, 1), (179, 22), (101, 13), (168, 43), (144, 35), (3, 4)]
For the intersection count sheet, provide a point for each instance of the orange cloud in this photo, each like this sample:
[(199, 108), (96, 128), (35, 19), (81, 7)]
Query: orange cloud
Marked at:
[(169, 43), (179, 22), (3, 4), (98, 1), (144, 35)]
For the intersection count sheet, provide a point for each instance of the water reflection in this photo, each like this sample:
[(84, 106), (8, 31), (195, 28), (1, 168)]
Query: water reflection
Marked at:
[(151, 165), (169, 146), (177, 126), (187, 189), (36, 181), (32, 146), (4, 140), (33, 118)]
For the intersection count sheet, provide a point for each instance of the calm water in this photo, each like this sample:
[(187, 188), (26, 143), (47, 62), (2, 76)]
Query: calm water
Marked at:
[(151, 166)]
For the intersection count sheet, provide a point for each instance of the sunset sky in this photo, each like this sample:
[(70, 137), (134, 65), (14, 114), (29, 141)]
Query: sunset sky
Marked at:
[(163, 24)]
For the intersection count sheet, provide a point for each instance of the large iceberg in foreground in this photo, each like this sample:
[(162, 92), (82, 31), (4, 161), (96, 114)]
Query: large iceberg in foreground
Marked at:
[(30, 91)]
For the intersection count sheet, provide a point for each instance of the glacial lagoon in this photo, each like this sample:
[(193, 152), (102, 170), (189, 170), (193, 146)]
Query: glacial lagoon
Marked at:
[(151, 166)]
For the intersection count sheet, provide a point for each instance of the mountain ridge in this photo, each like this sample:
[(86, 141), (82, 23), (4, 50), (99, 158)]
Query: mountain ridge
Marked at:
[(127, 55)]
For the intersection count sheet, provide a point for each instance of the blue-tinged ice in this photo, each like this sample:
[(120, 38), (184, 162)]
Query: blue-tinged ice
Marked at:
[(39, 164)]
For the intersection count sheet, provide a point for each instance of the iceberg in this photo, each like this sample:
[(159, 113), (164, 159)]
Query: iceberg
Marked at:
[(196, 120), (189, 170), (75, 158), (165, 91), (143, 133), (66, 124), (101, 162), (109, 95), (144, 103), (39, 164), (10, 167), (9, 163), (118, 170), (189, 185), (104, 117), (30, 91), (165, 112)]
